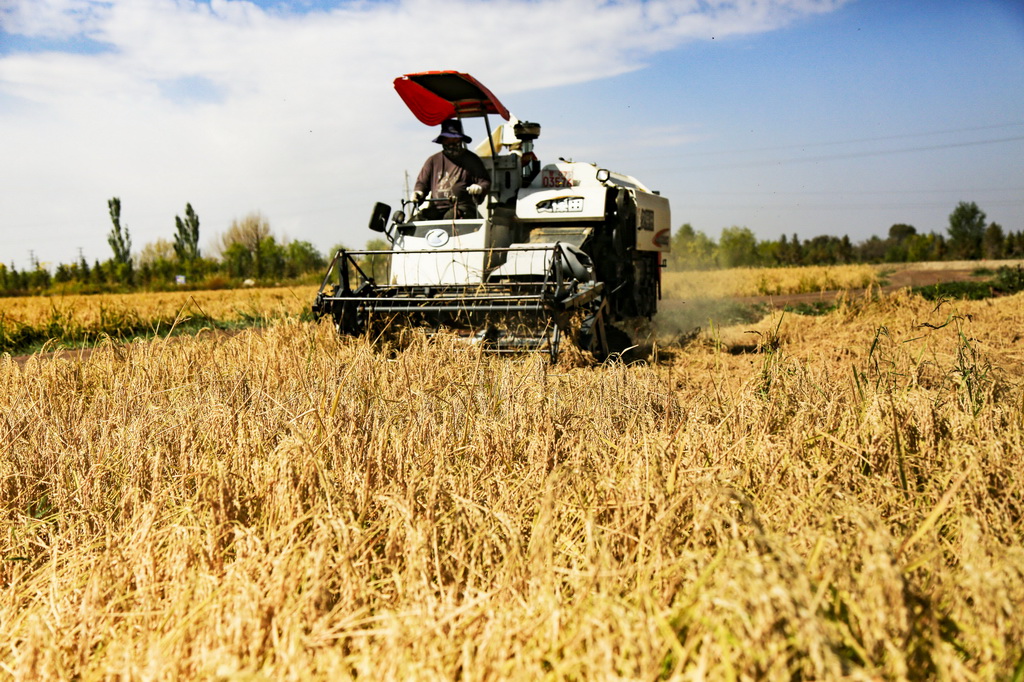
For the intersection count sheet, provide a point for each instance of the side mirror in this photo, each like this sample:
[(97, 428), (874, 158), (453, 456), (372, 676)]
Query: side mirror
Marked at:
[(379, 217)]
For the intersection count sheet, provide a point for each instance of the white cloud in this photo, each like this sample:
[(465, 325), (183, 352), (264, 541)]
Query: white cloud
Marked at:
[(236, 108), (50, 18)]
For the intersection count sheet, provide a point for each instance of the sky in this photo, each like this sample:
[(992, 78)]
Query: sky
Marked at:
[(804, 117)]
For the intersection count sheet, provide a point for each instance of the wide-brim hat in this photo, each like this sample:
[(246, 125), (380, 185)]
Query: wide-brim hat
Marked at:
[(452, 129)]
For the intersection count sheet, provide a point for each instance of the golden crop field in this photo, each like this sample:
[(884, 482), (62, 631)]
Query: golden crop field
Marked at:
[(85, 320), (826, 497), (768, 281), (89, 311)]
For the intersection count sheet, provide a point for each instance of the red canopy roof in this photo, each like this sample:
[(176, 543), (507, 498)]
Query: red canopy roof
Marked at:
[(435, 96)]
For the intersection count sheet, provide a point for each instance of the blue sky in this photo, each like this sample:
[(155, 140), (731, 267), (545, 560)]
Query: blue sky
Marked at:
[(785, 116)]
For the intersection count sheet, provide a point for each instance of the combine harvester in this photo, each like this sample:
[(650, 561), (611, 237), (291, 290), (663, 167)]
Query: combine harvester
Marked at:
[(560, 248)]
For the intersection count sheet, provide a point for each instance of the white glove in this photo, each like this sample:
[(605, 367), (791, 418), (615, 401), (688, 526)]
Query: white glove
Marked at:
[(417, 197), (474, 189)]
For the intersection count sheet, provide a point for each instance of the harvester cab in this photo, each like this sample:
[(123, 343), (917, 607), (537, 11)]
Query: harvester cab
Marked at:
[(557, 248)]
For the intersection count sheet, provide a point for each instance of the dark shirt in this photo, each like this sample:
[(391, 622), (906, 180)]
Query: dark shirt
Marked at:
[(445, 178)]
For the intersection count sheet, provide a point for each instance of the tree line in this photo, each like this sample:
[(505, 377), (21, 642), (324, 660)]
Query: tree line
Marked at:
[(247, 250), (969, 237)]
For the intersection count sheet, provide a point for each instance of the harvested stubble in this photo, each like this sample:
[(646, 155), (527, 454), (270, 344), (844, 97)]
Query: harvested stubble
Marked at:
[(845, 501)]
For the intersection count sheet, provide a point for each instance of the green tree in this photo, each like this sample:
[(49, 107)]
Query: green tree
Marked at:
[(83, 268), (768, 252), (737, 247), (237, 260), (900, 232), (120, 242), (795, 251), (895, 252), (376, 265), (9, 278), (301, 257), (845, 250), (64, 273), (680, 243), (823, 250), (966, 230), (993, 244), (186, 238), (1015, 245), (270, 258), (920, 247), (898, 243), (157, 263), (247, 234), (691, 249), (873, 249)]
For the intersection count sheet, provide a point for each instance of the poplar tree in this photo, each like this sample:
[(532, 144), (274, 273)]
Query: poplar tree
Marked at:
[(186, 240), (119, 239)]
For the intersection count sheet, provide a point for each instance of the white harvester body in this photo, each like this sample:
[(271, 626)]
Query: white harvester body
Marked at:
[(560, 246)]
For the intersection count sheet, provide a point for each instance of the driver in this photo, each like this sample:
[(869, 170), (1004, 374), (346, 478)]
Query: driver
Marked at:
[(453, 173)]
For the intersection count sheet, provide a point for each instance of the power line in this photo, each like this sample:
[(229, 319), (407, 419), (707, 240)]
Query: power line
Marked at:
[(843, 192), (835, 157), (832, 143), (858, 206)]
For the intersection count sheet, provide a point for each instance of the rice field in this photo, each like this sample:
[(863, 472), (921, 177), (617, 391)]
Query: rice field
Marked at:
[(77, 320), (715, 284), (826, 497)]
